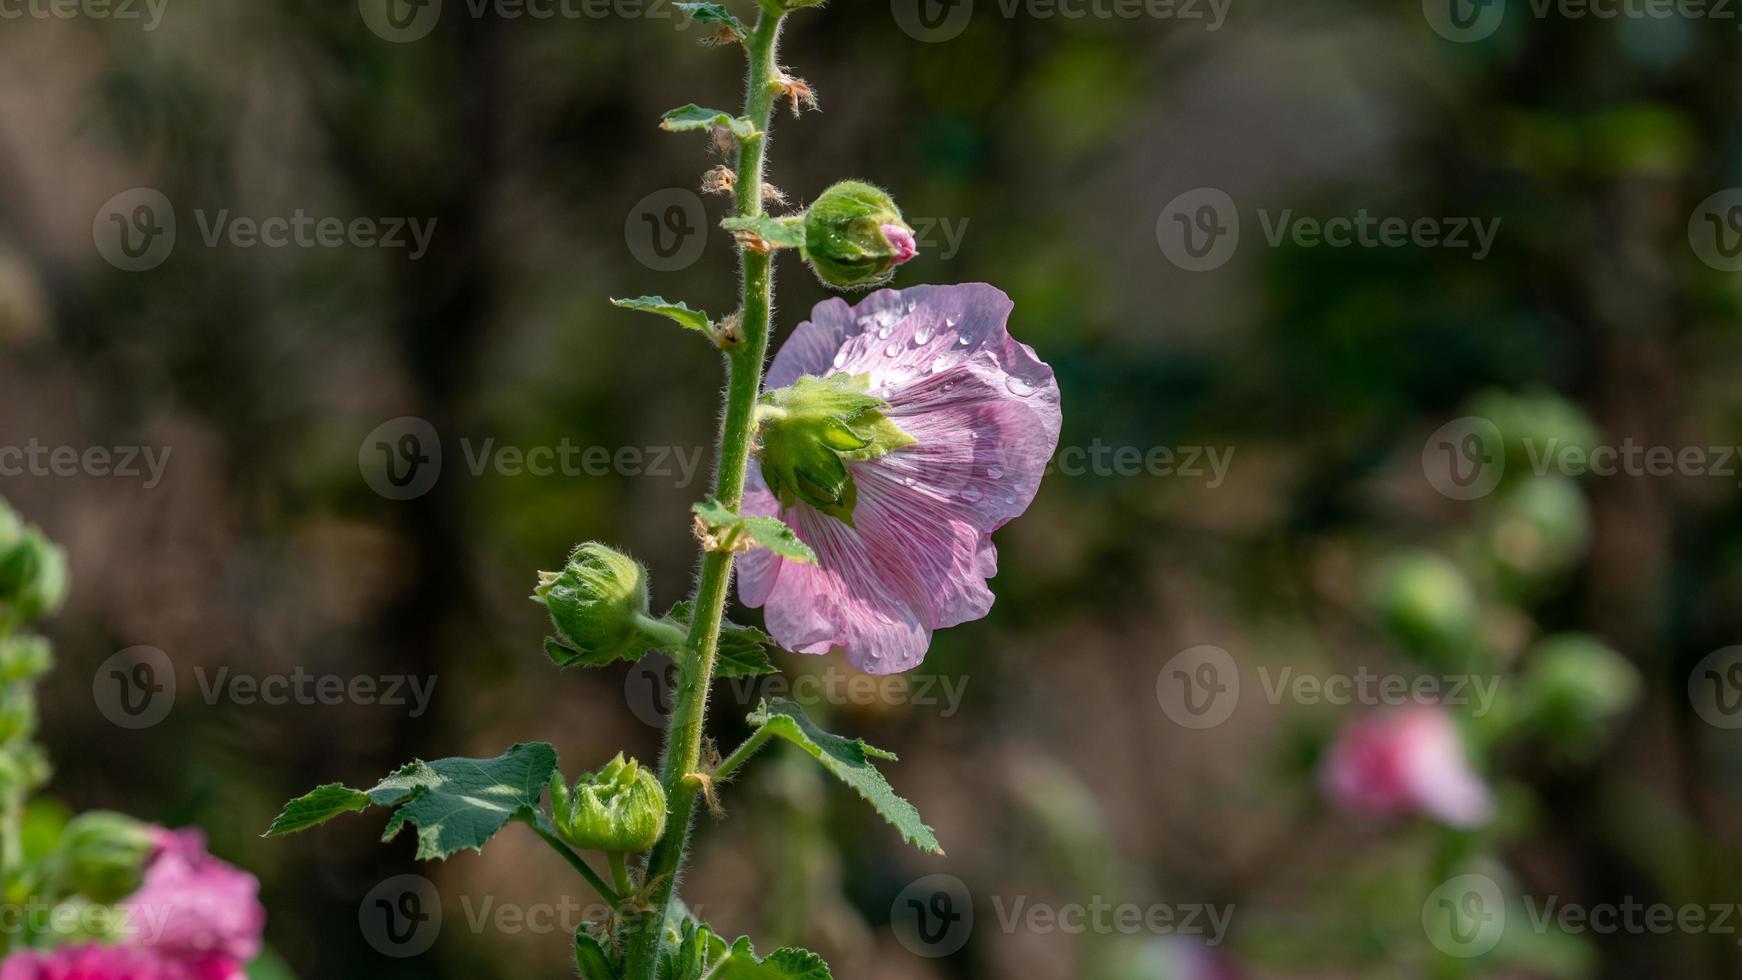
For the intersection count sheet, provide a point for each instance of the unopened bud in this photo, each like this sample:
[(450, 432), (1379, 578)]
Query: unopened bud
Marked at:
[(619, 808), (854, 236), (102, 855)]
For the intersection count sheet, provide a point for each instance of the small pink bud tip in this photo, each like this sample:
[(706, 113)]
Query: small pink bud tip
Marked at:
[(901, 239)]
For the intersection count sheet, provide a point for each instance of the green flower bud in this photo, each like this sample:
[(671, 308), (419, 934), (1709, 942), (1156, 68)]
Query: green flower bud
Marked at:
[(1574, 687), (854, 236), (1428, 605), (619, 808), (24, 658), (17, 712), (598, 604), (812, 428), (1535, 423), (33, 574), (102, 856), (1541, 528)]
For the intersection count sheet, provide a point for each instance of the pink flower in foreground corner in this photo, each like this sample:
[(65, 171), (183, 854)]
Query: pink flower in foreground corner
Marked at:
[(980, 416), (193, 917), (1408, 761)]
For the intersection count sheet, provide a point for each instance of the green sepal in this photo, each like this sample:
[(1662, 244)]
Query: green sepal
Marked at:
[(679, 313), (789, 963), (743, 650), (693, 117), (454, 803), (849, 760), (765, 532), (714, 13), (696, 950), (591, 958), (776, 232), (815, 427)]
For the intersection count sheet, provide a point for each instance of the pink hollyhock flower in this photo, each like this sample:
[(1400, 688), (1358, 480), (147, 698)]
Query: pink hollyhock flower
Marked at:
[(193, 905), (983, 412), (1408, 761), (98, 962)]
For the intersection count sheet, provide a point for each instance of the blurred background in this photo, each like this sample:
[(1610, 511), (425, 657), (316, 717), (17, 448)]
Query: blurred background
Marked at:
[(1290, 451)]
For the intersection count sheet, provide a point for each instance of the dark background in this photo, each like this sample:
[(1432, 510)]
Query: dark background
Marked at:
[(1053, 146)]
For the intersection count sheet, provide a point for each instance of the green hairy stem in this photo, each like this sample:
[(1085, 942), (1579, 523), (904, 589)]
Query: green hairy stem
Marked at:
[(684, 736)]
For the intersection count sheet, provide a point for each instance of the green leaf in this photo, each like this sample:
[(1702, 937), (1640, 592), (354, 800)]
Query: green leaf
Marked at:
[(743, 649), (590, 957), (678, 312), (454, 803), (850, 762), (782, 964), (714, 13), (777, 232), (692, 117), (318, 806), (766, 532)]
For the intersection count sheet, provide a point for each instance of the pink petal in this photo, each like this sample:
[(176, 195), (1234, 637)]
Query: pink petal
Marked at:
[(985, 412), (193, 904)]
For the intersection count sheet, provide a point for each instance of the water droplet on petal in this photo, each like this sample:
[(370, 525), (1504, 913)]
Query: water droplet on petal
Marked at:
[(884, 331), (1019, 387), (994, 471), (949, 386), (841, 357), (892, 350), (922, 334), (942, 364), (964, 340), (970, 495), (909, 481)]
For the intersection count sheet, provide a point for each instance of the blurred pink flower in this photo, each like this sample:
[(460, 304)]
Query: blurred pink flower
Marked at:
[(1409, 761), (98, 962), (984, 411), (193, 905), (194, 918)]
